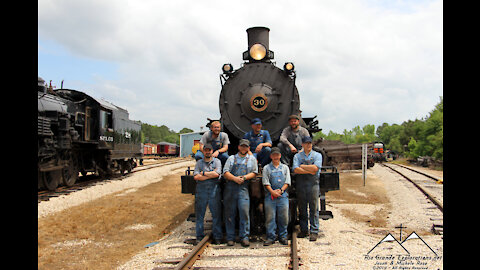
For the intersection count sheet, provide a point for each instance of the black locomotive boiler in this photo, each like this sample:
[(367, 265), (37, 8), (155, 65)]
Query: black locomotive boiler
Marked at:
[(260, 89), (78, 133)]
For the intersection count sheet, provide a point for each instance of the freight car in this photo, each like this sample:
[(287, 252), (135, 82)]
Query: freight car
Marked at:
[(260, 89), (78, 133)]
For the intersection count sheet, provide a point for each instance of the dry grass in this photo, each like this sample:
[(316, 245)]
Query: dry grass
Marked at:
[(95, 235), (373, 193)]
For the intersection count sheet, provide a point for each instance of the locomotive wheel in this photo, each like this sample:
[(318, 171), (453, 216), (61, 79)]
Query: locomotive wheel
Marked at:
[(70, 174), (51, 179)]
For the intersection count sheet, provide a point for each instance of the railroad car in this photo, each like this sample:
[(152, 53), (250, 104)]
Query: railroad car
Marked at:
[(260, 89), (168, 149), (379, 153), (78, 133)]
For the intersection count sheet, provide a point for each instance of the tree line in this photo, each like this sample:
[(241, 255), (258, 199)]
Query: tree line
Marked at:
[(412, 138), (156, 134)]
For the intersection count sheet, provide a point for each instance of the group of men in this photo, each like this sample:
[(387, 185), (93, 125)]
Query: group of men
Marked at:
[(253, 149)]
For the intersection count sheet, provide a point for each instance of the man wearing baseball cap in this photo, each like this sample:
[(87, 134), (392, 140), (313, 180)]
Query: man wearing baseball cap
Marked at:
[(276, 180), (238, 171), (260, 142), (207, 174), (291, 139), (306, 166)]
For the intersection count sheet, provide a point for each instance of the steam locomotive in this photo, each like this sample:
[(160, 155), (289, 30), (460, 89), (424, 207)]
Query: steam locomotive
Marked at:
[(260, 89), (78, 133)]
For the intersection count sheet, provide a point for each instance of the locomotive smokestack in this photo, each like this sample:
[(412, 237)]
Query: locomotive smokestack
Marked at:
[(258, 34), (258, 45)]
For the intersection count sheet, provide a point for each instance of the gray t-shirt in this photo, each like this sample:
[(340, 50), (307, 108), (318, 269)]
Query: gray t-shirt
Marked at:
[(222, 138), (288, 132)]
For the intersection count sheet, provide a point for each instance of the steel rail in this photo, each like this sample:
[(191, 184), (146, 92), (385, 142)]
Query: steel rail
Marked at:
[(419, 172), (430, 197), (294, 261), (191, 257)]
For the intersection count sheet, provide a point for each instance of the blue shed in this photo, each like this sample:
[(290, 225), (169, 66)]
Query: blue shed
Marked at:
[(187, 140)]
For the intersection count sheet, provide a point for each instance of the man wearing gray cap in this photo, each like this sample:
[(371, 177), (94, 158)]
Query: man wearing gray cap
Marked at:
[(306, 166), (238, 170), (207, 174), (276, 179), (291, 139), (260, 142)]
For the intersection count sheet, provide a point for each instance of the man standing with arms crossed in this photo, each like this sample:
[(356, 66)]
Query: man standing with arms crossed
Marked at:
[(307, 165), (207, 173)]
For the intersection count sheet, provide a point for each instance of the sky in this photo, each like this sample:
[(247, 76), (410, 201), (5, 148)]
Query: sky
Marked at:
[(357, 62)]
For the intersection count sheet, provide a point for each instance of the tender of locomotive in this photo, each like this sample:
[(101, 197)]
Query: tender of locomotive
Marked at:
[(78, 133), (260, 89)]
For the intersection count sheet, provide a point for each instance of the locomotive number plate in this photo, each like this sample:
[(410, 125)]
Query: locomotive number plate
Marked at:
[(259, 102)]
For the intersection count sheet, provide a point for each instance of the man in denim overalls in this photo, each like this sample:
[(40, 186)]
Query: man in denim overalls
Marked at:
[(307, 164), (238, 170), (218, 139), (276, 179), (207, 173), (260, 142)]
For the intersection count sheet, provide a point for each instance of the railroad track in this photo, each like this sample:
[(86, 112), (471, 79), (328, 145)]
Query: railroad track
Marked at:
[(423, 182), (91, 180), (196, 253)]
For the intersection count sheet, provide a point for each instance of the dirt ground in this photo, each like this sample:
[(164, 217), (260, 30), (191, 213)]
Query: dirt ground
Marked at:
[(106, 232)]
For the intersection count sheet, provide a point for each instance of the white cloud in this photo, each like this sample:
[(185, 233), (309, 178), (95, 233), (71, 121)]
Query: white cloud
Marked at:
[(357, 62)]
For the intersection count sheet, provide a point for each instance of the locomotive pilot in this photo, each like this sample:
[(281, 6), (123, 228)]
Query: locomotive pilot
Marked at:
[(307, 165), (291, 139), (276, 179), (207, 175), (218, 139), (260, 142), (238, 170)]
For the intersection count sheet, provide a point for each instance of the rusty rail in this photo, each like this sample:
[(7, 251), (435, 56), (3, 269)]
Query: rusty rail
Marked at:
[(191, 257), (430, 197)]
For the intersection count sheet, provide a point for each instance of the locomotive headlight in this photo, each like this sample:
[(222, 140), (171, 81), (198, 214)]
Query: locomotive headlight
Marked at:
[(227, 68), (288, 67), (258, 51)]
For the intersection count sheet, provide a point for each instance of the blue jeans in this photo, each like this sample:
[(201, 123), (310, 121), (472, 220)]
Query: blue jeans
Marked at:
[(208, 193), (264, 156), (236, 196), (308, 191), (276, 212), (222, 156)]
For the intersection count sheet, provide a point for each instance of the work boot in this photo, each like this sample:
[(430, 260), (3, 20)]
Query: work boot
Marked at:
[(268, 242), (245, 243), (284, 241), (230, 243), (302, 234), (313, 237)]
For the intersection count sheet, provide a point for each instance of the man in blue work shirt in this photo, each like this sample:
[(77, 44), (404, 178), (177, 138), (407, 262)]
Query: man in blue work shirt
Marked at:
[(306, 166), (276, 179), (207, 173), (260, 142), (238, 171)]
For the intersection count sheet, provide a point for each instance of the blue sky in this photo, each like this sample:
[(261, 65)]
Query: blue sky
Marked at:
[(358, 62)]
